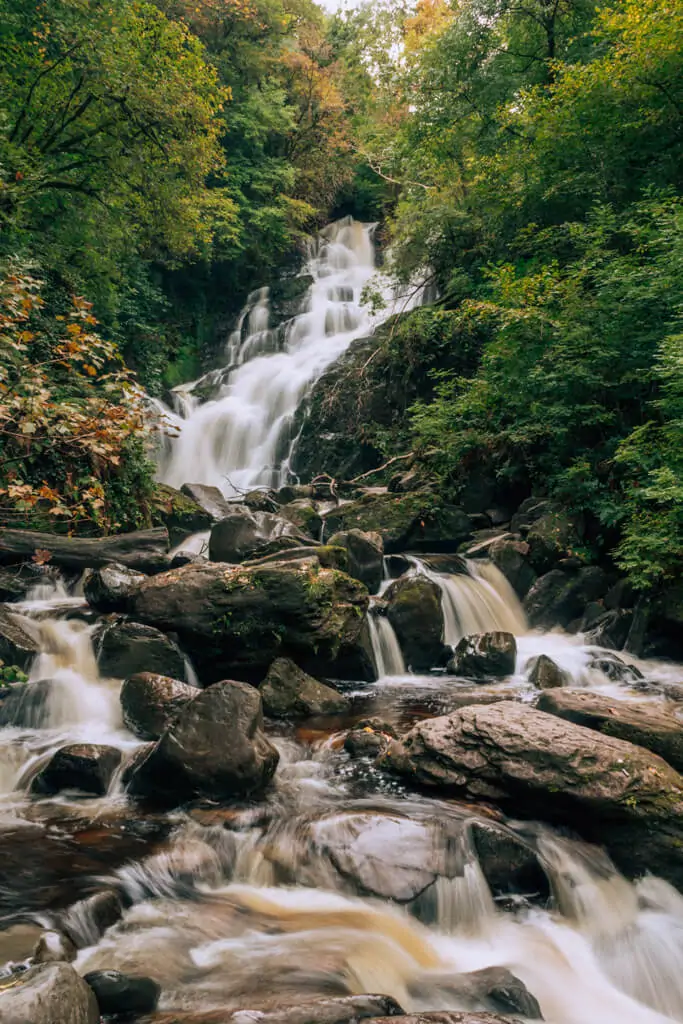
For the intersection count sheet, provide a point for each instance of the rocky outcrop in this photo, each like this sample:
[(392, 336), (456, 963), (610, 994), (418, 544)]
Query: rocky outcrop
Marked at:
[(126, 648), (288, 692), (417, 521), (110, 588), (118, 994), (180, 513), (537, 765), (365, 556), (510, 555), (244, 534), (413, 607), (151, 702), (545, 674), (648, 725), (19, 643), (560, 596), (47, 994), (86, 767), (484, 656), (216, 748), (237, 619)]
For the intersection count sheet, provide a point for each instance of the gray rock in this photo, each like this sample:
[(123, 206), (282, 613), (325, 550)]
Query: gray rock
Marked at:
[(413, 607), (304, 515), (244, 534), (648, 725), (612, 792), (448, 1017), (510, 555), (210, 499), (150, 703), (49, 994), (333, 1010), (19, 643), (215, 748), (418, 521), (288, 692), (110, 588), (494, 988), (87, 920), (545, 674), (484, 656), (127, 648), (369, 737), (552, 537), (119, 994), (86, 767), (559, 597), (365, 556)]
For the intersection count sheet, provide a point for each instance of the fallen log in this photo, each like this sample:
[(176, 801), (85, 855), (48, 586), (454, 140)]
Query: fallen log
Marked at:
[(144, 550)]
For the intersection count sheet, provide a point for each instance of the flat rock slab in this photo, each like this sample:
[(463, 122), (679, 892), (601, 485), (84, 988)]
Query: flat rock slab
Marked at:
[(48, 994), (536, 765), (335, 1010), (644, 724)]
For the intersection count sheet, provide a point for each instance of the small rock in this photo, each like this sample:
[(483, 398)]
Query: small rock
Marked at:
[(49, 994), (82, 766), (288, 692), (19, 645), (87, 920), (118, 993), (127, 648), (545, 674), (485, 655), (151, 702), (369, 737), (54, 947), (111, 588)]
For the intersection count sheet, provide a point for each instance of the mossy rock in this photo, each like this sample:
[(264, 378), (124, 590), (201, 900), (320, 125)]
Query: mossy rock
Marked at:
[(414, 611), (416, 521), (180, 514)]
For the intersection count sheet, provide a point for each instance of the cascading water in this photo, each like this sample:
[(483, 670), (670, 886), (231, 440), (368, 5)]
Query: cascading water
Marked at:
[(244, 435)]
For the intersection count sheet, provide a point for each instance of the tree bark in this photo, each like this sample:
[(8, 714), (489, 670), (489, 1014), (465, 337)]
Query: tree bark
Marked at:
[(144, 550)]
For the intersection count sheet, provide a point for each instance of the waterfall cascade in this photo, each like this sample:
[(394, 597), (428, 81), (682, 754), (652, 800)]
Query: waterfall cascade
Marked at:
[(243, 436)]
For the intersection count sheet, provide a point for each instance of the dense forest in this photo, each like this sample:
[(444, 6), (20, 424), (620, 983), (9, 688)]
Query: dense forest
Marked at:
[(160, 160)]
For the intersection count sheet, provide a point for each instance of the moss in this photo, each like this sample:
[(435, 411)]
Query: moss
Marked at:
[(180, 514)]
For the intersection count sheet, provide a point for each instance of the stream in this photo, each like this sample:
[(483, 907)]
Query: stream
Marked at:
[(339, 880)]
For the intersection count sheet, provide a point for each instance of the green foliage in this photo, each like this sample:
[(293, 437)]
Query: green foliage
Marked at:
[(11, 674)]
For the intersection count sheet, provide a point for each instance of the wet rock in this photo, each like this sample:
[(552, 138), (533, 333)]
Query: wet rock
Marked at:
[(641, 723), (210, 499), (365, 556), (86, 921), (303, 513), (54, 947), (552, 537), (510, 555), (83, 766), (369, 737), (418, 521), (559, 597), (180, 514), (150, 703), (25, 705), (413, 607), (127, 648), (612, 666), (17, 580), (327, 556), (48, 994), (288, 692), (238, 619), (382, 855), (244, 534), (497, 989), (118, 993), (19, 643), (215, 748), (448, 1017), (333, 1010), (110, 588), (509, 864), (612, 792), (610, 629), (484, 655), (545, 674)]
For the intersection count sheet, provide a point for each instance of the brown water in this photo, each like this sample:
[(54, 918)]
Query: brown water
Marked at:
[(338, 881)]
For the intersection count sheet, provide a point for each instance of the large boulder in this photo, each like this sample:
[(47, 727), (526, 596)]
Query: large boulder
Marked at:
[(110, 588), (83, 766), (210, 499), (150, 703), (243, 534), (553, 536), (328, 556), (510, 555), (647, 725), (126, 648), (536, 765), (238, 619), (119, 994), (181, 514), (418, 521), (495, 988), (304, 515), (560, 596), (365, 556), (288, 692), (484, 656), (49, 994), (216, 748), (413, 607)]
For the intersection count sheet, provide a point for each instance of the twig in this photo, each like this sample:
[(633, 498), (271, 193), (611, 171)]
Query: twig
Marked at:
[(371, 472)]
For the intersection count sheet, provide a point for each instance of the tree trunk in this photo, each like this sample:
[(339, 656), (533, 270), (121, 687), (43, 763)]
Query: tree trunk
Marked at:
[(144, 550)]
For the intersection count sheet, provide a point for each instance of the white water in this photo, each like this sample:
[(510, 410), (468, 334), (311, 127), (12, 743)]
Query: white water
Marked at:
[(385, 647), (243, 436)]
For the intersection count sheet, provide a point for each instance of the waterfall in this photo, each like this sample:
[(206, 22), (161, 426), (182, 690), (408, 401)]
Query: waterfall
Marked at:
[(386, 650), (479, 600), (244, 435)]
